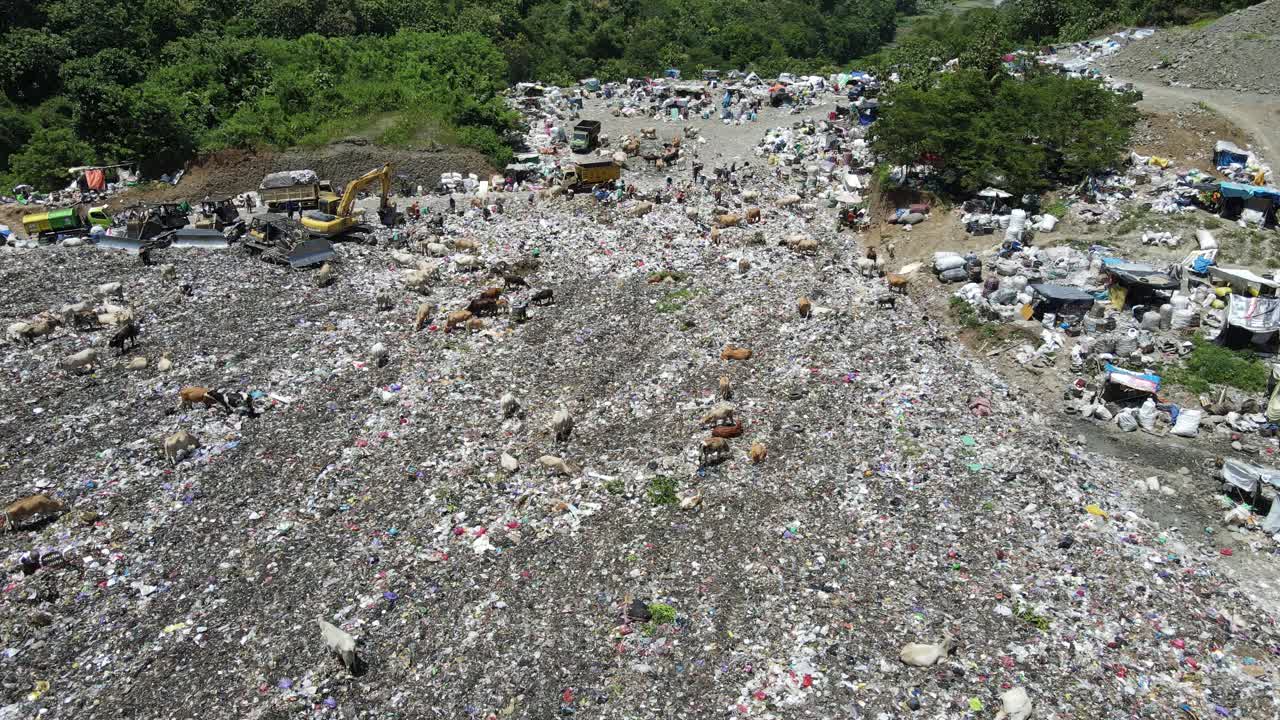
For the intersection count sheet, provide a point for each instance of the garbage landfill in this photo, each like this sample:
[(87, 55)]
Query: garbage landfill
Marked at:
[(466, 555)]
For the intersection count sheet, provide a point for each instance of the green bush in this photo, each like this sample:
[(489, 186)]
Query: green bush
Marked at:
[(1025, 135), (662, 490), (661, 614), (1210, 364)]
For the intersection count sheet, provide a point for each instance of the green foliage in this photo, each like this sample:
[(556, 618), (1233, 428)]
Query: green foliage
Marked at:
[(1210, 364), (1040, 622), (661, 614), (662, 490), (30, 59), (45, 159), (963, 313), (1024, 135)]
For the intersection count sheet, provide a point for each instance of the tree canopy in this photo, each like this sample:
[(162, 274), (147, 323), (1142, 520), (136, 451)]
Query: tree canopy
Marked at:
[(971, 131)]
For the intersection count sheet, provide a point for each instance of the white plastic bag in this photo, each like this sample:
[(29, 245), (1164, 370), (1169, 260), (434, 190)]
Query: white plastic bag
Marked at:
[(1147, 415), (1126, 421), (1188, 423)]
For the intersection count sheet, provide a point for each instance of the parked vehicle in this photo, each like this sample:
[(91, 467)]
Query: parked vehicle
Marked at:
[(586, 136), (53, 225)]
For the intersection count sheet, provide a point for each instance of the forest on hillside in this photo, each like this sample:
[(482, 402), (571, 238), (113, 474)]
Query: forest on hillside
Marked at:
[(159, 81)]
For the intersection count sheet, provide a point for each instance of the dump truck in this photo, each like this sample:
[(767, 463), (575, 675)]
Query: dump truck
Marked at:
[(587, 174), (318, 195), (53, 225), (586, 136)]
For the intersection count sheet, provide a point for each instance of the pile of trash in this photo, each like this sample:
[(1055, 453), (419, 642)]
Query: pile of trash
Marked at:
[(573, 457)]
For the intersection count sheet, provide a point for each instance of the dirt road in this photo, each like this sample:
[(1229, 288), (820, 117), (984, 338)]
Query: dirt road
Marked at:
[(1257, 115)]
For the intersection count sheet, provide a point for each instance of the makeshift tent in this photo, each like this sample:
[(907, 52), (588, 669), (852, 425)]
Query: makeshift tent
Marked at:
[(1255, 314), (1245, 192)]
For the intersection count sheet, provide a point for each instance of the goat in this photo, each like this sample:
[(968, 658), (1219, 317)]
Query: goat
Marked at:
[(339, 642), (753, 215), (510, 281), (641, 209), (79, 314), (456, 318), (509, 405), (115, 315), (82, 359), (192, 394), (425, 311), (378, 354), (713, 448), (805, 306), (19, 332), (757, 453), (721, 412), (806, 246), (562, 424), (111, 288), (19, 510), (178, 445), (417, 280), (887, 301), (715, 235), (727, 431), (386, 300), (465, 263), (544, 296), (735, 353), (324, 276), (725, 391), (551, 462), (925, 655), (520, 313), (897, 283), (126, 334), (788, 200)]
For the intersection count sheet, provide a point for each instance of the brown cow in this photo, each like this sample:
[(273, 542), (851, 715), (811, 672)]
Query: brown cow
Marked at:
[(727, 431), (19, 510)]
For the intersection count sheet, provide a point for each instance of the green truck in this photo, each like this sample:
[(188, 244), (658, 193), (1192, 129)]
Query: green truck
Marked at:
[(53, 225), (586, 136)]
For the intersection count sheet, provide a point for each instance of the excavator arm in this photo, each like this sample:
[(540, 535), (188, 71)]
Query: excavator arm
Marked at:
[(349, 194)]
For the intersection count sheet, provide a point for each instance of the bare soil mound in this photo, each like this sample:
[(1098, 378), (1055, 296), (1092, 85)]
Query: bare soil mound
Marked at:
[(228, 172), (1240, 52)]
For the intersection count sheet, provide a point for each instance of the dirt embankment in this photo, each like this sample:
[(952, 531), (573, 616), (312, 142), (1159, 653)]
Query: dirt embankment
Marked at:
[(229, 172)]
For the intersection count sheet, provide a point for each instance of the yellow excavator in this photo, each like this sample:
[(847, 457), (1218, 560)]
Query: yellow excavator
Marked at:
[(342, 221)]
